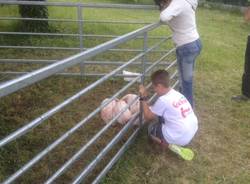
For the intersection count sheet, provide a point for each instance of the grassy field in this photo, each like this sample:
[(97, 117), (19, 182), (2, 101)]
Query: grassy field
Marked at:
[(222, 145)]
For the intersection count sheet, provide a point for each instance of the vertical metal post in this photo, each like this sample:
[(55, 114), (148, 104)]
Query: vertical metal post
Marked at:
[(143, 69), (144, 58), (80, 27)]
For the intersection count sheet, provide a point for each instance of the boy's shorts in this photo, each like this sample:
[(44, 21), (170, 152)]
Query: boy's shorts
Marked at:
[(155, 129)]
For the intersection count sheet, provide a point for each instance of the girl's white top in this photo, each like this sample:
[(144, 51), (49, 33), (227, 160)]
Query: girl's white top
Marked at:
[(180, 16)]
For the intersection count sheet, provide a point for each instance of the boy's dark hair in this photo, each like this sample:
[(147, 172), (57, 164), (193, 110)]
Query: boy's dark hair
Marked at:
[(160, 77)]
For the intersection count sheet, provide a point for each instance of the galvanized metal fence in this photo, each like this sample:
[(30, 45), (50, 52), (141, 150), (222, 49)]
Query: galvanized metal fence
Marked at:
[(141, 60)]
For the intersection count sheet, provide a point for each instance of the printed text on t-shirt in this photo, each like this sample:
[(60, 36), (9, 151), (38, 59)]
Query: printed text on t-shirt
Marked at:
[(184, 110)]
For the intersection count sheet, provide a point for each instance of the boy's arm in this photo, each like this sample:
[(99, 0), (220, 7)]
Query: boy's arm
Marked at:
[(148, 114)]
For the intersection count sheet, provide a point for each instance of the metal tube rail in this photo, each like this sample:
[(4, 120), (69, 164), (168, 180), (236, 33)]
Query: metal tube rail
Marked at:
[(26, 80), (71, 4), (72, 35), (114, 22), (172, 64), (32, 61), (39, 19), (41, 34), (75, 74), (51, 112), (74, 20), (37, 47), (70, 48), (27, 61), (159, 60)]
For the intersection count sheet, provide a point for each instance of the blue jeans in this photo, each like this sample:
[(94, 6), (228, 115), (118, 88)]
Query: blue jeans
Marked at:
[(186, 55)]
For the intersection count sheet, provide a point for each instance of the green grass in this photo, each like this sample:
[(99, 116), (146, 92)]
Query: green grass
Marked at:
[(221, 145)]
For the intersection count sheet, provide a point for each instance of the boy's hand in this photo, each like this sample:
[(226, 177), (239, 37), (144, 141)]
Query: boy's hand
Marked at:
[(142, 91)]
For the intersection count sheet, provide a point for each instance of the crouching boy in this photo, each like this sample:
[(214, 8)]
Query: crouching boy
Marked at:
[(177, 123)]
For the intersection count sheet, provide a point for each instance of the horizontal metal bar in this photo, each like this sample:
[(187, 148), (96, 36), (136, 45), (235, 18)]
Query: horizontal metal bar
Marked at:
[(75, 20), (65, 166), (70, 48), (39, 120), (115, 36), (94, 74), (114, 22), (160, 60), (28, 61), (26, 80), (37, 47), (175, 84), (71, 4), (91, 74), (32, 61), (172, 64), (73, 74), (39, 19), (73, 35), (39, 34), (116, 157)]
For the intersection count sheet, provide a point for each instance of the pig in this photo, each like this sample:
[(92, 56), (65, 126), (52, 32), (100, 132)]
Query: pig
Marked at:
[(112, 109), (128, 99), (125, 116), (107, 112)]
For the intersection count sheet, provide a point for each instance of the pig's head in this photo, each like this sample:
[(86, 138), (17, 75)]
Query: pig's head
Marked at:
[(128, 99)]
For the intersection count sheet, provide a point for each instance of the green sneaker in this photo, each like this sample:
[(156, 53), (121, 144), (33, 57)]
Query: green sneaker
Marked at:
[(185, 153)]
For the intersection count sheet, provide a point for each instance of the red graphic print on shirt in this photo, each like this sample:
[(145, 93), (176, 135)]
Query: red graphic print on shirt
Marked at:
[(185, 112), (179, 104)]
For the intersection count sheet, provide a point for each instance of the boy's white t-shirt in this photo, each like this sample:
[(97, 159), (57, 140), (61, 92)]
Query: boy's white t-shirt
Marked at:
[(180, 16), (180, 122)]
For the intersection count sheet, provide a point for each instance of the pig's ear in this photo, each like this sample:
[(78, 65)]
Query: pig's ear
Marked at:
[(104, 101), (124, 98)]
